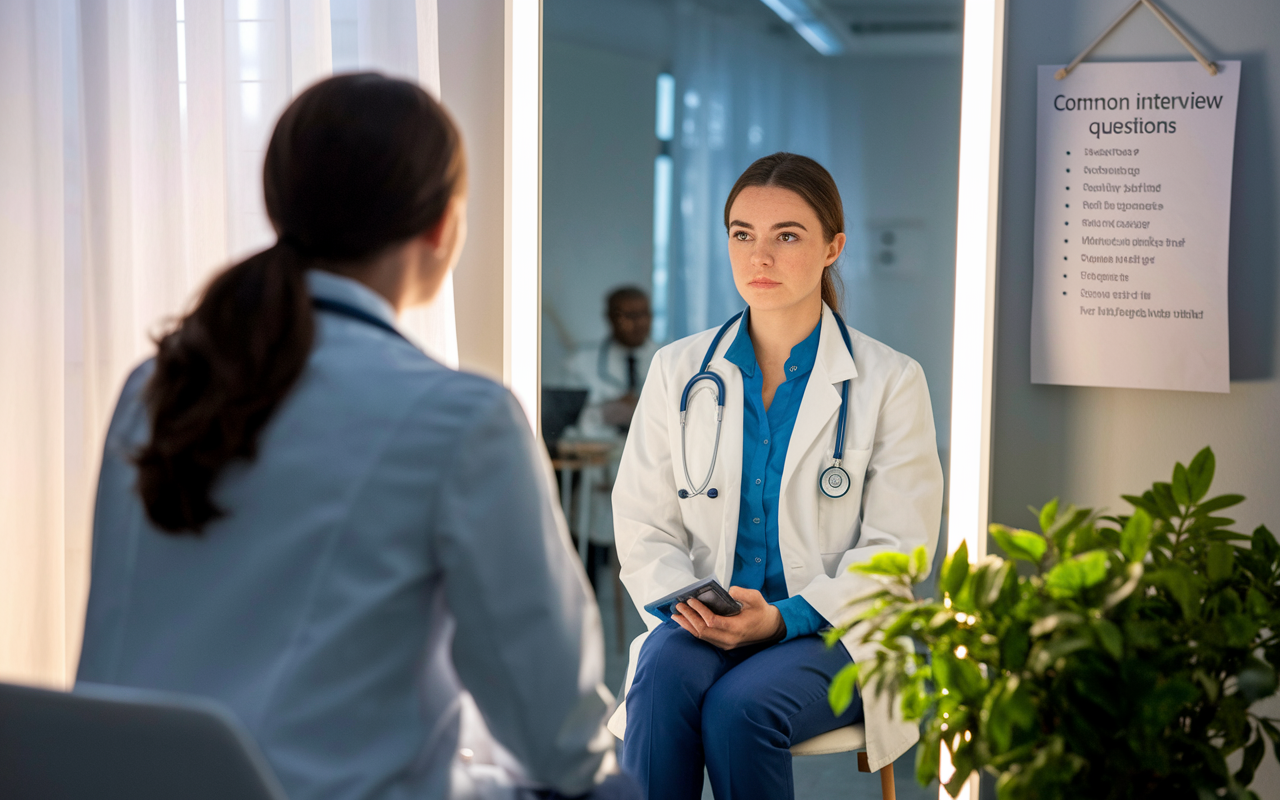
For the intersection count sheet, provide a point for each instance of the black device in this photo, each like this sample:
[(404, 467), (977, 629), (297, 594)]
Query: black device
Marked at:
[(560, 409), (707, 591)]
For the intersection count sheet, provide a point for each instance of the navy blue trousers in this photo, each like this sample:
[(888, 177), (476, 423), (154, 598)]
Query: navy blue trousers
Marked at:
[(737, 712)]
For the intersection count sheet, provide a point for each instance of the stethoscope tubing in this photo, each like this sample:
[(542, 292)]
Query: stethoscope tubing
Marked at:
[(358, 314), (833, 482), (704, 374)]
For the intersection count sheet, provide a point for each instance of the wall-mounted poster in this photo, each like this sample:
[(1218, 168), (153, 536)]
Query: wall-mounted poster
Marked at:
[(1133, 207)]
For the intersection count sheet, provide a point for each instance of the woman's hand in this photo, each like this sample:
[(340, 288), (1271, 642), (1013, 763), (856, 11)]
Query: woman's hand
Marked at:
[(757, 622)]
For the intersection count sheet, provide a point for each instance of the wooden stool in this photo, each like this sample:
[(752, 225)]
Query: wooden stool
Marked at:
[(842, 740)]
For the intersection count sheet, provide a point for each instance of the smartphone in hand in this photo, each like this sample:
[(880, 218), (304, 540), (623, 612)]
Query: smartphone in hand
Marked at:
[(707, 591)]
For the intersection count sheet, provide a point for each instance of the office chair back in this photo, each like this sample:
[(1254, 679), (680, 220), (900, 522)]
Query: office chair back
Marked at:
[(112, 743)]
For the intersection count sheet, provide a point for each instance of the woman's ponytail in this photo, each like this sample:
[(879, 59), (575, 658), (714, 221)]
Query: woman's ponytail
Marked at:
[(357, 164), (218, 377)]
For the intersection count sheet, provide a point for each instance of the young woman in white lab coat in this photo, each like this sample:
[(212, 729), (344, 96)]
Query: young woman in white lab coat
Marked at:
[(303, 516), (735, 692)]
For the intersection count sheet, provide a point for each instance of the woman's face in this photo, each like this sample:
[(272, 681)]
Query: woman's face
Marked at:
[(777, 249)]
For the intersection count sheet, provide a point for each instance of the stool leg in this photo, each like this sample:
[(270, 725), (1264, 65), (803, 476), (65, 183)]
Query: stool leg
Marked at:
[(886, 783)]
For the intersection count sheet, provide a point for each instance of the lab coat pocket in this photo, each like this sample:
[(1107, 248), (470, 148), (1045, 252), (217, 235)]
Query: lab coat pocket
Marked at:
[(840, 518)]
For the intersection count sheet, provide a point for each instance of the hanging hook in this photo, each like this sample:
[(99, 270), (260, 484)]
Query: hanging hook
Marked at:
[(1160, 15)]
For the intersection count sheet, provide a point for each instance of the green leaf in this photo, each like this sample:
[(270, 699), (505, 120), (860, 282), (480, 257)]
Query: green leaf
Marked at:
[(1020, 544), (989, 580), (1257, 604), (1051, 623), (1044, 657), (1109, 637), (914, 702), (1146, 503), (1238, 629), (1200, 473), (1007, 709), (1220, 560), (1209, 523), (892, 564), (1273, 734), (1014, 646), (957, 570), (919, 563), (1135, 539), (1163, 495), (958, 675), (840, 695), (1163, 705), (1182, 584), (1257, 680), (1252, 758), (928, 755), (1071, 577), (1071, 519), (942, 622), (958, 781), (1048, 514), (1265, 544), (1212, 688), (1124, 585), (1218, 503), (1181, 485), (1145, 635)]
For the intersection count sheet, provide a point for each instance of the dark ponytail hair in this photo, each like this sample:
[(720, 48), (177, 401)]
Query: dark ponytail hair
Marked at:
[(814, 184), (357, 164)]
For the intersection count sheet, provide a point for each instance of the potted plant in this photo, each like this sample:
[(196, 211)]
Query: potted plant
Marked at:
[(1105, 657)]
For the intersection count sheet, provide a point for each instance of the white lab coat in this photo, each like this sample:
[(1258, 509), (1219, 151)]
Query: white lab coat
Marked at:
[(605, 380), (894, 503), (393, 545), (601, 369)]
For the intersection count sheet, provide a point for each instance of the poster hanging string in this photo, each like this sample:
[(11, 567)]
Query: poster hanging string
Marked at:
[(1160, 15)]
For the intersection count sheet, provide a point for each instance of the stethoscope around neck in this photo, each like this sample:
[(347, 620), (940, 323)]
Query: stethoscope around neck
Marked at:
[(834, 480)]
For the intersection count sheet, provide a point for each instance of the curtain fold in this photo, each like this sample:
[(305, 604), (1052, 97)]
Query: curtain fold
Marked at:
[(389, 39), (32, 229), (131, 142)]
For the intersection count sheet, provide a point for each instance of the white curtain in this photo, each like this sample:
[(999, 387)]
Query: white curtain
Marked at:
[(131, 143), (740, 94)]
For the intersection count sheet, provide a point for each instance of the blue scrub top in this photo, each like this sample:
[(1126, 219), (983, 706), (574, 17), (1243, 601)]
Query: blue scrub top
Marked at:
[(757, 562)]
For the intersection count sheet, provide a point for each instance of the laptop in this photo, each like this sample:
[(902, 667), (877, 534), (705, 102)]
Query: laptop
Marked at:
[(560, 409)]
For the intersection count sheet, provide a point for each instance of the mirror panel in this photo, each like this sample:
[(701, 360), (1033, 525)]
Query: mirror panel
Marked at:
[(651, 110)]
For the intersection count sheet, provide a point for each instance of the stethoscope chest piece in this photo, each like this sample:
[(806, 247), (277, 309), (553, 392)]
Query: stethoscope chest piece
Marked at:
[(834, 481)]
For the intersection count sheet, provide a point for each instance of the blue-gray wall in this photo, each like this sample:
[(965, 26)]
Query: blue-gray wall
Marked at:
[(1090, 445)]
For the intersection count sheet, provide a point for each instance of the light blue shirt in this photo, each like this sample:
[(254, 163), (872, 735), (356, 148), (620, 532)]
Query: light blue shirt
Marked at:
[(393, 542), (757, 562)]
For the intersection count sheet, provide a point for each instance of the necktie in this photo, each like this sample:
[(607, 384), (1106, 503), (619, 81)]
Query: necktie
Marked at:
[(633, 380)]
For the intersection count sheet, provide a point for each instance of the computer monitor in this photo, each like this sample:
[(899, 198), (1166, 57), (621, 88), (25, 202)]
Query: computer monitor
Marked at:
[(560, 409)]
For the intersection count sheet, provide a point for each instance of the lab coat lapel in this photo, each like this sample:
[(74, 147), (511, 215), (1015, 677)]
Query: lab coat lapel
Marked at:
[(831, 367)]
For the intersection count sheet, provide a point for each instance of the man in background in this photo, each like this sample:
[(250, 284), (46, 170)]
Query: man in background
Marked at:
[(614, 370)]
